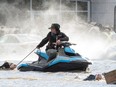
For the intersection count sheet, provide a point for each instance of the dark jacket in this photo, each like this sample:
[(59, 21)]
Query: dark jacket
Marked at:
[(52, 38)]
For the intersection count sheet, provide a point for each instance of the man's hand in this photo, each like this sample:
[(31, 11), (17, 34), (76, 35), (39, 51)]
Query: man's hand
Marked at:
[(58, 42), (37, 47)]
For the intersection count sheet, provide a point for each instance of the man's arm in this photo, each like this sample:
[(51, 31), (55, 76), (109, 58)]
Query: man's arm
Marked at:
[(44, 41), (64, 37)]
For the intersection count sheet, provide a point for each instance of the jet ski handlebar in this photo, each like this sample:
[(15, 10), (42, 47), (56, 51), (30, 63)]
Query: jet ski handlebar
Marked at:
[(65, 43)]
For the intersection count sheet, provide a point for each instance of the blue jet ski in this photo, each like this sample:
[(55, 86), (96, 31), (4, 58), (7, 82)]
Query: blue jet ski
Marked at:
[(66, 60)]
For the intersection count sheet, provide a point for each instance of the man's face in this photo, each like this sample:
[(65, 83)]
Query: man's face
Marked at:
[(53, 30)]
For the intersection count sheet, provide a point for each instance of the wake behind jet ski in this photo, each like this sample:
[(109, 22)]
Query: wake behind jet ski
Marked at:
[(64, 60)]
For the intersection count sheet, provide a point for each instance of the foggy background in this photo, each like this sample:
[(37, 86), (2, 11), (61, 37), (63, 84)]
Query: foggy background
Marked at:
[(17, 17)]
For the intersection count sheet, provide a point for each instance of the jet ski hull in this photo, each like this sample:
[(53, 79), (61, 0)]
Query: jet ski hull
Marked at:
[(62, 66)]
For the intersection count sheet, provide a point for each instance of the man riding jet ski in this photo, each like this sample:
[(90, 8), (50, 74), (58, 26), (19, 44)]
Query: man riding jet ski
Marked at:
[(58, 56)]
